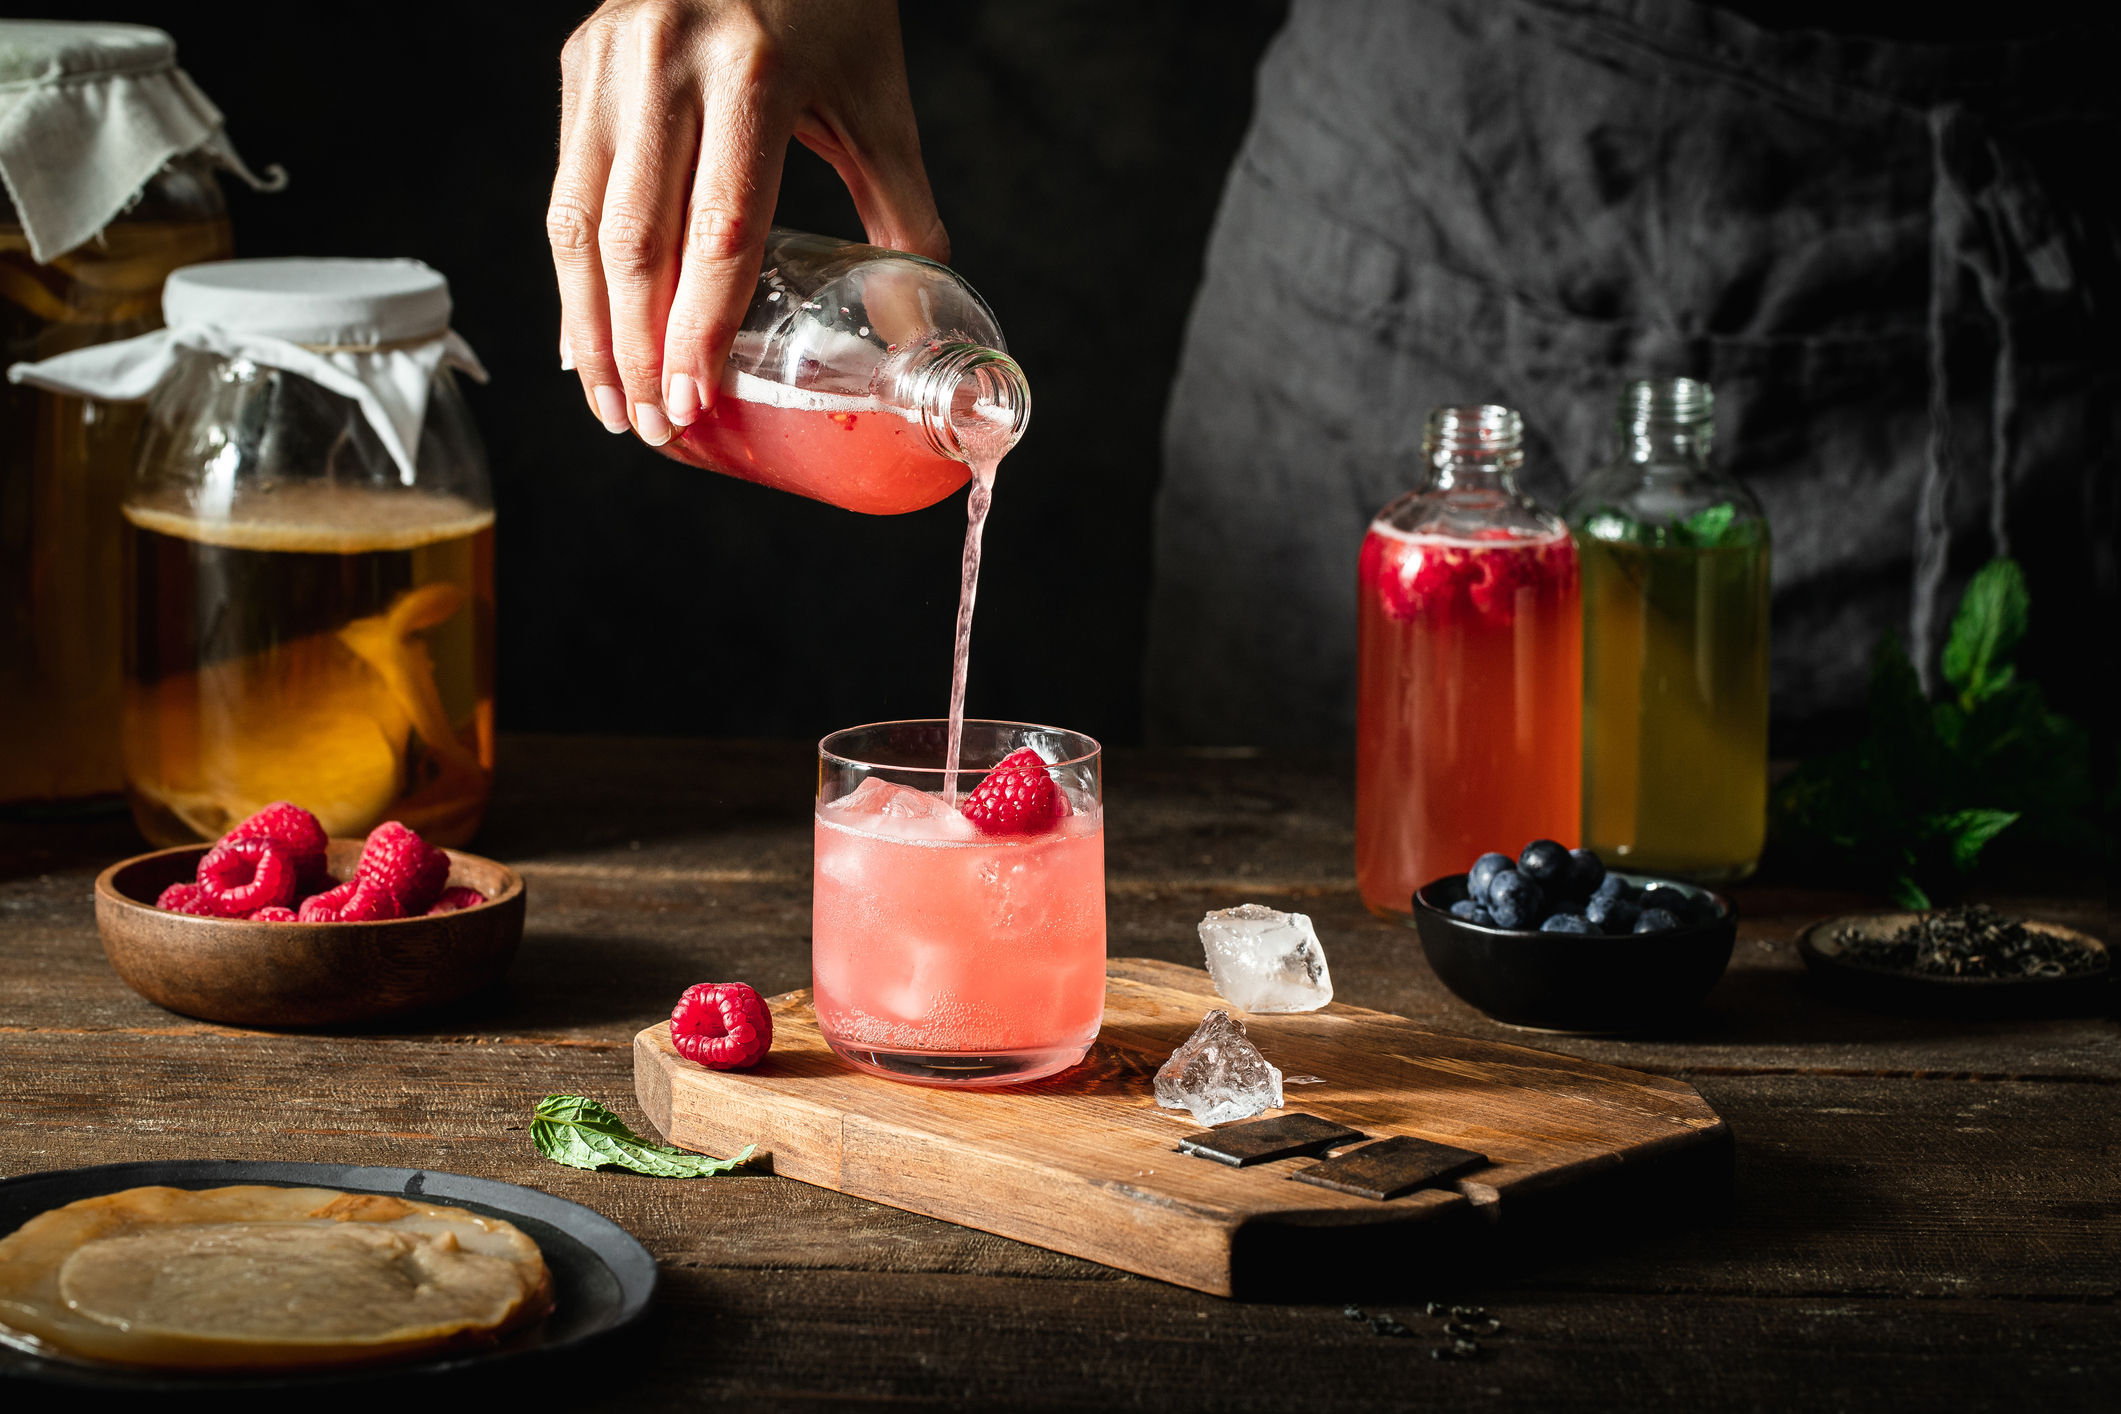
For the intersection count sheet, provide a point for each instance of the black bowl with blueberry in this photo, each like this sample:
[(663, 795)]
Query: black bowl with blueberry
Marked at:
[(1554, 941)]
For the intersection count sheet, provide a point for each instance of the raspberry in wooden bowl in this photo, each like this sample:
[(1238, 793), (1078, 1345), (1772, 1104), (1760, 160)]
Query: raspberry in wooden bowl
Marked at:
[(248, 972)]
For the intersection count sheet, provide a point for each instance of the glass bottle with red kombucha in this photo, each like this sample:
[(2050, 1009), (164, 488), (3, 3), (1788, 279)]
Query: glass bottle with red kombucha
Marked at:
[(1468, 733)]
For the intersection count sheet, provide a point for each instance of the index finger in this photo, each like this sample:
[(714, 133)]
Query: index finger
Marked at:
[(743, 143)]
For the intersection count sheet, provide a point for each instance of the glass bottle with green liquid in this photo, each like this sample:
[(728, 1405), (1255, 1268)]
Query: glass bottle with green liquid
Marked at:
[(1674, 557)]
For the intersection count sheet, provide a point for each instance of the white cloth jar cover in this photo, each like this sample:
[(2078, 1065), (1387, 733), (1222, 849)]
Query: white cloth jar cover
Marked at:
[(370, 330), (90, 112)]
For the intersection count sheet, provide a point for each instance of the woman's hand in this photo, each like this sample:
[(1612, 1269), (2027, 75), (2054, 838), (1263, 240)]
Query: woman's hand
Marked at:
[(675, 116)]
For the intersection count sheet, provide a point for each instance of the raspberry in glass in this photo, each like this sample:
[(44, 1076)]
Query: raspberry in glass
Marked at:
[(1017, 798), (721, 1025)]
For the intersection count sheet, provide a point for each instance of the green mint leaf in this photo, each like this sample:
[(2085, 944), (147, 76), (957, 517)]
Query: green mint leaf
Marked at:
[(577, 1131), (1706, 527), (1908, 894), (1987, 629), (1966, 832)]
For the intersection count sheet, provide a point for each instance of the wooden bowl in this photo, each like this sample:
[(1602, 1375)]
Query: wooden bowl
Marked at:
[(303, 974), (1572, 983)]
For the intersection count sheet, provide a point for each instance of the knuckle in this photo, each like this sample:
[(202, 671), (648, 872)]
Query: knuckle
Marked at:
[(717, 235), (570, 229), (632, 244), (750, 61)]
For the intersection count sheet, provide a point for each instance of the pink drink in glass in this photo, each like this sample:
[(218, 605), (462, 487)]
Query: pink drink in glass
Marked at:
[(942, 955)]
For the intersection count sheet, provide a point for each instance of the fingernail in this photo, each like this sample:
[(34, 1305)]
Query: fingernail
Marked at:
[(566, 355), (683, 399), (611, 407), (648, 420)]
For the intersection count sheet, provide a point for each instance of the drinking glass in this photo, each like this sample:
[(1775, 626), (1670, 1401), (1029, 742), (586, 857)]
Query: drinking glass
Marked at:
[(942, 955)]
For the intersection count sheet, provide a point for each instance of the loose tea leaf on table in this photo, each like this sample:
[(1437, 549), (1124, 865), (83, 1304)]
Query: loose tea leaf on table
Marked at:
[(577, 1131)]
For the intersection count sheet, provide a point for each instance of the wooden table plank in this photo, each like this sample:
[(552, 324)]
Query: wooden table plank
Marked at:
[(1900, 1235), (1852, 1185)]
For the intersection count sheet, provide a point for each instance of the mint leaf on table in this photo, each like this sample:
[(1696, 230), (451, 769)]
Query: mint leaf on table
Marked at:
[(577, 1131)]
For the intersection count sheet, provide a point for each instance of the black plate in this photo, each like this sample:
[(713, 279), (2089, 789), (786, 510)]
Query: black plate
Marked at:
[(602, 1278), (1904, 993)]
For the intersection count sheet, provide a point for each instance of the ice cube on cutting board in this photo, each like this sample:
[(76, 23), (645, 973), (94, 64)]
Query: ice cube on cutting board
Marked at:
[(1218, 1075), (1266, 961)]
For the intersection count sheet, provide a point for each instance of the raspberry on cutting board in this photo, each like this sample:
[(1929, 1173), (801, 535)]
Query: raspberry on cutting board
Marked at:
[(721, 1025)]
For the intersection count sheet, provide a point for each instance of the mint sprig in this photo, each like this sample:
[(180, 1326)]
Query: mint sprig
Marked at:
[(1917, 803), (577, 1131)]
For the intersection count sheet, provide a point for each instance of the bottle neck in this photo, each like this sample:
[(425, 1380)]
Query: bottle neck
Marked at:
[(1469, 477), (973, 401), (1473, 450), (1667, 424)]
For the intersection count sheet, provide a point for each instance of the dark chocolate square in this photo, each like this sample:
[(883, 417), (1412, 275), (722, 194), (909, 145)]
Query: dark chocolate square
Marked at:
[(1259, 1140), (1390, 1167)]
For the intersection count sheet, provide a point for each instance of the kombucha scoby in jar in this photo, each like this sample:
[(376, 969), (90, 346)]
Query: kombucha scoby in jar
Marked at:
[(328, 645)]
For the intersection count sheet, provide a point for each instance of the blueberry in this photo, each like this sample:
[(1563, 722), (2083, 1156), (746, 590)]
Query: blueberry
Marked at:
[(1614, 915), (1676, 902), (1543, 862), (1472, 912), (1484, 869), (1586, 873), (1567, 923), (1655, 920), (1514, 900), (1611, 886)]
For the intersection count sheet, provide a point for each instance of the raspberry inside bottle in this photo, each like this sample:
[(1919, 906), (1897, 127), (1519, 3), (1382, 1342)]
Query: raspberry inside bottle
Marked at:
[(1469, 647)]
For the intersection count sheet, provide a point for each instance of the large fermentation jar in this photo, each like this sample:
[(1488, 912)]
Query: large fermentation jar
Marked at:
[(308, 552), (84, 249)]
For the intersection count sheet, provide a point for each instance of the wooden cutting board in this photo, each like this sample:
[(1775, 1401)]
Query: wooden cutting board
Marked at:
[(1087, 1163)]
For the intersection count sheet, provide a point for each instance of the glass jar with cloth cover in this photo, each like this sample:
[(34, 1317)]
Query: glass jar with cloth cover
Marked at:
[(308, 552), (108, 153)]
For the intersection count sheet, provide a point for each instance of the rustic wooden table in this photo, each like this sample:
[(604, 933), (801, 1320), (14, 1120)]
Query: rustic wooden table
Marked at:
[(1925, 1214)]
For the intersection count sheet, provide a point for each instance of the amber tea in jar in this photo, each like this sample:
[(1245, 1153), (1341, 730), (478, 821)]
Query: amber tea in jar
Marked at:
[(64, 460), (308, 561)]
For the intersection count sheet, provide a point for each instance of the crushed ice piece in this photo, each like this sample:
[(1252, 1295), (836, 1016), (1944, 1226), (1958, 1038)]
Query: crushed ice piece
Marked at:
[(877, 796), (1303, 1080), (1266, 961), (1218, 1075)]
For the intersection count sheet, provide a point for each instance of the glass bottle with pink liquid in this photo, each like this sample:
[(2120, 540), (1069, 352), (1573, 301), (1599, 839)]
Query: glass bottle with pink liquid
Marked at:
[(1468, 733), (854, 376)]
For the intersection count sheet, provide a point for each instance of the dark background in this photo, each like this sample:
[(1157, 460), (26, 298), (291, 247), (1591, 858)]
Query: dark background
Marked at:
[(1077, 151)]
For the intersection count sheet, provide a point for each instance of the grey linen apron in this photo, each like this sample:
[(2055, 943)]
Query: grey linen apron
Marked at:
[(1526, 202)]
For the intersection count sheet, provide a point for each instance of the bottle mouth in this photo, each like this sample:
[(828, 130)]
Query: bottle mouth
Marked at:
[(1487, 436), (974, 401), (1650, 405)]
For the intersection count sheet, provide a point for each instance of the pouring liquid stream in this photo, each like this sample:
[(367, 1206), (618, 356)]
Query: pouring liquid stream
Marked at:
[(983, 433)]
